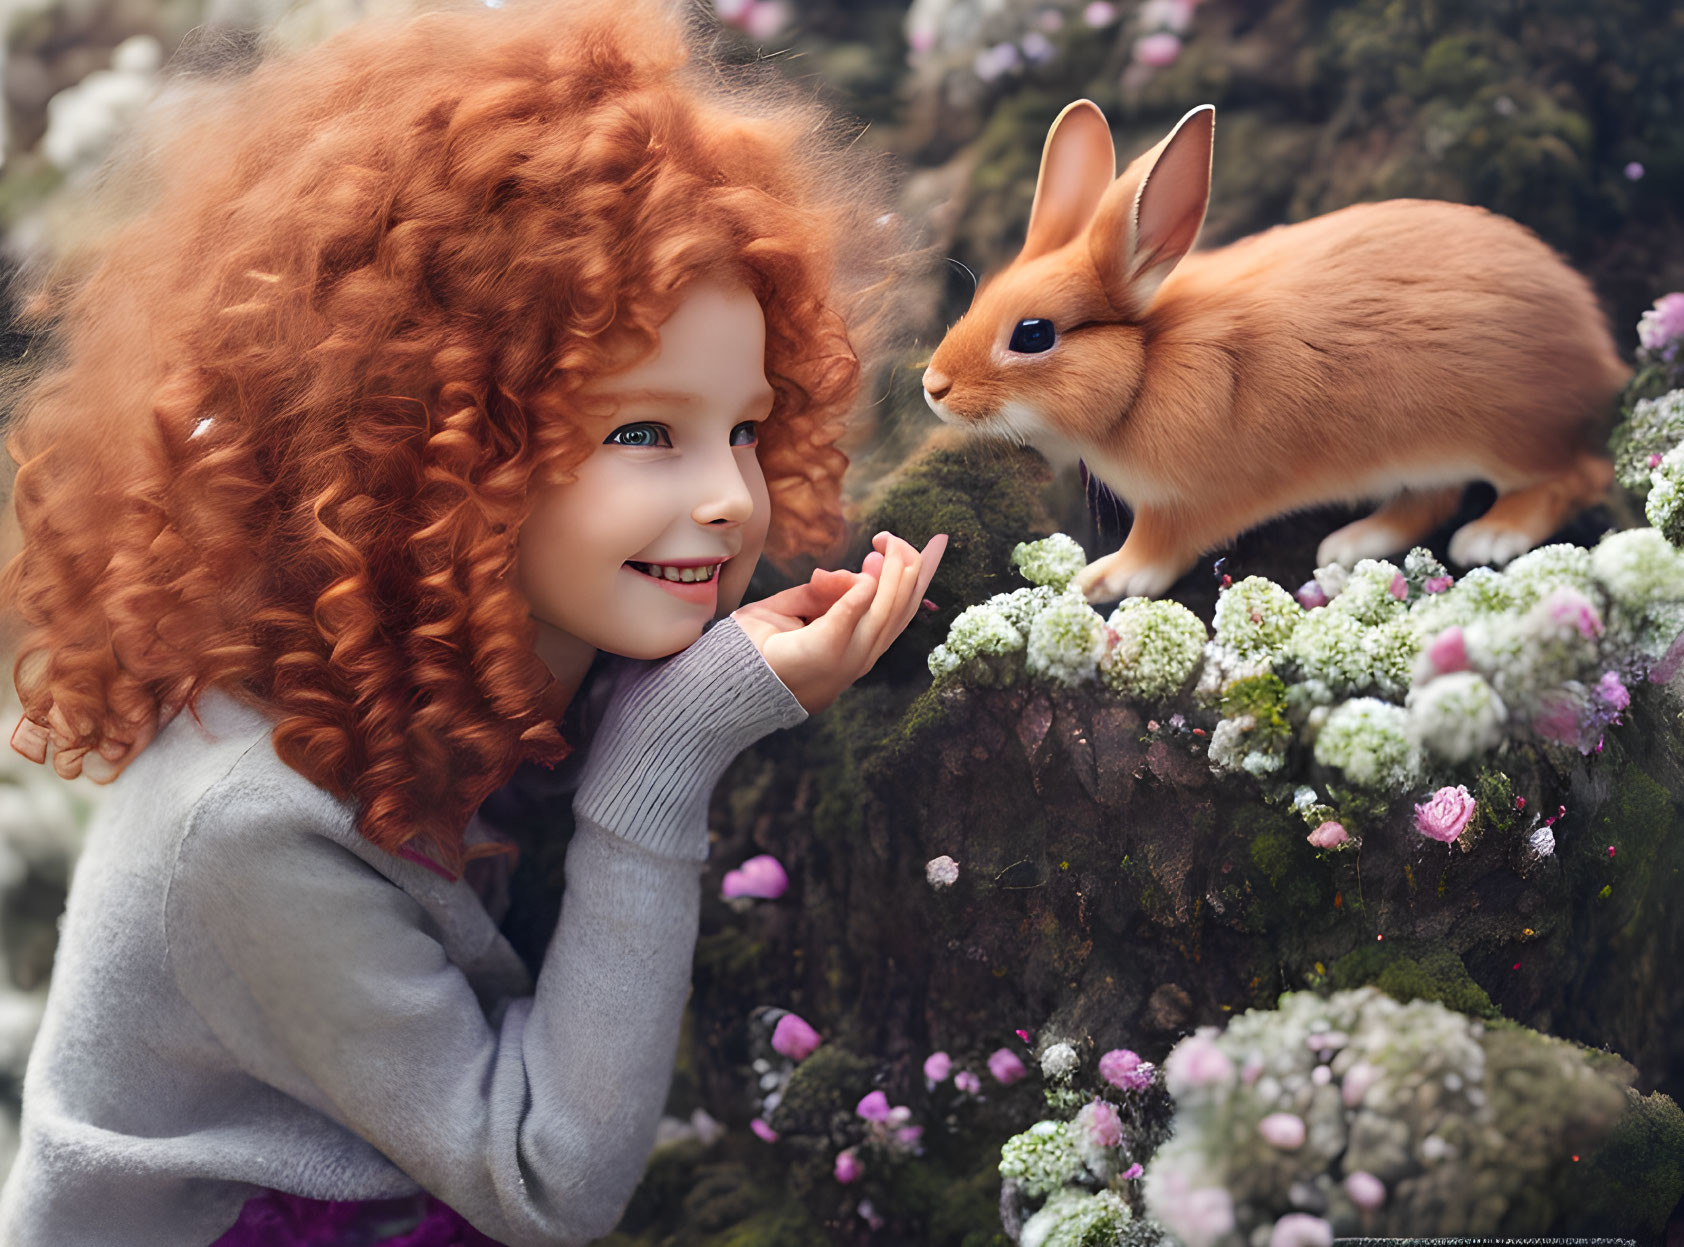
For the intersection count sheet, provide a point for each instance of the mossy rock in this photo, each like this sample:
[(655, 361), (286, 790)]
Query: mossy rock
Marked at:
[(1414, 973), (829, 1082)]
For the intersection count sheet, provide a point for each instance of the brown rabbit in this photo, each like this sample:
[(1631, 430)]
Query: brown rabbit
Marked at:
[(1386, 352)]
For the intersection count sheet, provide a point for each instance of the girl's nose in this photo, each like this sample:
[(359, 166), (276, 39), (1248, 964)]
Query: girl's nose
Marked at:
[(724, 492)]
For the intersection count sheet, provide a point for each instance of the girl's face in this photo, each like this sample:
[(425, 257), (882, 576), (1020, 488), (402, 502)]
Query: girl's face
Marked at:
[(660, 529)]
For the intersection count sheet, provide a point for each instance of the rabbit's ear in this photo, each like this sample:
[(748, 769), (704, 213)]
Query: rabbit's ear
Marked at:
[(1151, 216), (1077, 164)]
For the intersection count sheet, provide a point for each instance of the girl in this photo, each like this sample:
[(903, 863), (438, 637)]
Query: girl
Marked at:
[(429, 367)]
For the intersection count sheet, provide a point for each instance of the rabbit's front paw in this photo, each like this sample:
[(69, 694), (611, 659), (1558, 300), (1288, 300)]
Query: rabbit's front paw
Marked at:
[(1483, 542), (1115, 577)]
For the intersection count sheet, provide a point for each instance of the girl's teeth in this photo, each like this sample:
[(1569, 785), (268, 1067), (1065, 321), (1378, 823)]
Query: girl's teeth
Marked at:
[(679, 575)]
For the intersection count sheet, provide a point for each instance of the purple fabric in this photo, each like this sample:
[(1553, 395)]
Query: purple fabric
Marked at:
[(276, 1219)]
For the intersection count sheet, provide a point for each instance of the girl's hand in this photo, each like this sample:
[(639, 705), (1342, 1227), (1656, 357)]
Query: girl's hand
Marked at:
[(820, 637)]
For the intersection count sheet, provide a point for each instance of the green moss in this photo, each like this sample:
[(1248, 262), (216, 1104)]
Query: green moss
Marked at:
[(1495, 795), (786, 1225), (832, 1080), (1264, 698), (1432, 972), (962, 1211), (1632, 1182), (729, 955)]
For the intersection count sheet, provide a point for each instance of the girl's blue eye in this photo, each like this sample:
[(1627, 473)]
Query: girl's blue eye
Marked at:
[(644, 434), (745, 434)]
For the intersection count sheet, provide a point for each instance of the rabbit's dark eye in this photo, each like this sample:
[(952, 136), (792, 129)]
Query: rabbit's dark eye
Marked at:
[(1031, 337)]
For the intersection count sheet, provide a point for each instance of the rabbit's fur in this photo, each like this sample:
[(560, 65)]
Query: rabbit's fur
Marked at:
[(1387, 352)]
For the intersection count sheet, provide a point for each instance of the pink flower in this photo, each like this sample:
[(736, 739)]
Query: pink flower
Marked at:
[(761, 877), (1366, 1191), (1282, 1130), (1655, 461), (1098, 1125), (762, 1130), (1005, 1066), (1634, 171), (1157, 51), (1133, 1171), (848, 1167), (870, 1214), (937, 1066), (1399, 588), (1300, 1229), (1613, 691), (1568, 606), (1330, 835), (1196, 1062), (1124, 1069), (1358, 1079), (1437, 584), (941, 872), (1657, 327), (1311, 595), (1448, 651), (908, 1136), (874, 1107), (1443, 815), (967, 1082), (1099, 13), (793, 1038)]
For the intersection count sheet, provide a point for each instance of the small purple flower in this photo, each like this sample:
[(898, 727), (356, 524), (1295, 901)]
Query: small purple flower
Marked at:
[(1399, 588), (1311, 595), (761, 877), (1133, 1171), (874, 1106), (1330, 835), (1443, 815), (1613, 691), (1098, 1124), (1157, 51), (848, 1166), (1448, 651), (1196, 1062), (1366, 1191), (941, 872), (1005, 1066), (1282, 1130), (1655, 461), (1569, 606), (763, 1131), (1124, 1069), (793, 1038), (1662, 324), (1634, 171), (1099, 13), (1437, 584), (937, 1066), (1300, 1229), (967, 1082), (908, 1136)]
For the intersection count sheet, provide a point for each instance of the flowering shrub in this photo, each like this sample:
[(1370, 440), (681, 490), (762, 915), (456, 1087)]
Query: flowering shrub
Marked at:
[(1367, 1116)]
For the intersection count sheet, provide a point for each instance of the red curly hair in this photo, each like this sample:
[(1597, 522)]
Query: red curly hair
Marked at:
[(295, 405)]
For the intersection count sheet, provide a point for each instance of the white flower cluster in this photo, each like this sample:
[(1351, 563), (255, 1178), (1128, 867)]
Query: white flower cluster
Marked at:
[(1368, 740), (1456, 717), (1043, 1159), (1665, 507), (1052, 561), (1255, 618), (1149, 650), (1076, 1218), (1369, 1116), (1156, 649), (1654, 427)]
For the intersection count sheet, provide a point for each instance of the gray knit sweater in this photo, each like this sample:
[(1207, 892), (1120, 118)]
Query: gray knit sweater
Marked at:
[(249, 995)]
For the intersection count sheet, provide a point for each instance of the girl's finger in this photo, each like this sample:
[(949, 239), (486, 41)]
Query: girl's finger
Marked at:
[(835, 628), (896, 561)]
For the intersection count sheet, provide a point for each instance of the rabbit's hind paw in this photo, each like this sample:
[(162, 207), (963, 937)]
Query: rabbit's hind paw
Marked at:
[(1485, 542), (1113, 578)]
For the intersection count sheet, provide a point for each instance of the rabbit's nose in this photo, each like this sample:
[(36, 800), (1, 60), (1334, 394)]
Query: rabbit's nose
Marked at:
[(936, 385)]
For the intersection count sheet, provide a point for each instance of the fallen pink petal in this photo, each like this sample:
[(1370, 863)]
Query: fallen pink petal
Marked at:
[(793, 1038), (874, 1106), (762, 1130), (937, 1066), (1005, 1066), (762, 878), (1330, 835)]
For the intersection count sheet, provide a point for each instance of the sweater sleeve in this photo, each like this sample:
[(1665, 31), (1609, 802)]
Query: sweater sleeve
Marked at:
[(670, 731), (328, 982)]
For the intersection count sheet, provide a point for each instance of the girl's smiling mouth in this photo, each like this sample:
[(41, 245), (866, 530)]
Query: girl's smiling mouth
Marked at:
[(691, 580)]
